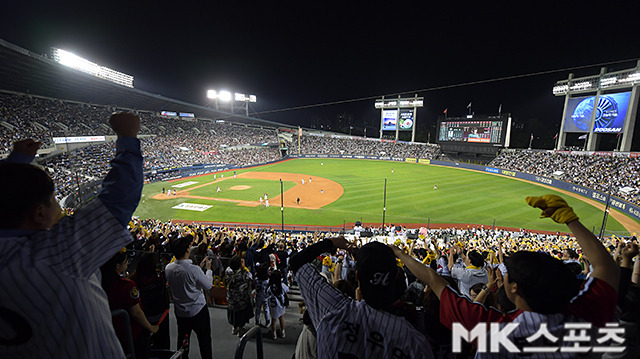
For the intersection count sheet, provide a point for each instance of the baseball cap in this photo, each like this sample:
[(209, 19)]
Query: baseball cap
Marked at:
[(377, 269)]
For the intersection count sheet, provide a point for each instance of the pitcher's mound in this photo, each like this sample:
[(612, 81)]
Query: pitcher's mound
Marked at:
[(239, 188)]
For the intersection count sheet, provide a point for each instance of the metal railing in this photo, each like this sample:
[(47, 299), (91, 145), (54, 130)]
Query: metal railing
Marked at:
[(253, 332)]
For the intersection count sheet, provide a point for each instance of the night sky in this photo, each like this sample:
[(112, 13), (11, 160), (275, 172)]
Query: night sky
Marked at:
[(292, 54)]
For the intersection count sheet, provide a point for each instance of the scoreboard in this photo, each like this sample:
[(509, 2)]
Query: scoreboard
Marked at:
[(487, 130)]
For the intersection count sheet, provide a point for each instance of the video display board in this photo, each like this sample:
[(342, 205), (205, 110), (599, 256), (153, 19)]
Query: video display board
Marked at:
[(611, 112), (472, 131), (406, 120), (389, 120)]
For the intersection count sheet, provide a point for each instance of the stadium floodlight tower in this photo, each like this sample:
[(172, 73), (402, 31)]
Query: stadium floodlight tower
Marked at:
[(66, 58), (601, 104), (399, 114), (226, 97)]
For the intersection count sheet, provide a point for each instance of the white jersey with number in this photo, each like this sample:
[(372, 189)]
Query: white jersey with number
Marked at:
[(347, 328)]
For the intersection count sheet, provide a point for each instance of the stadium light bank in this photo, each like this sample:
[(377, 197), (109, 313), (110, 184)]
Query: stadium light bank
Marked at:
[(76, 62), (225, 96)]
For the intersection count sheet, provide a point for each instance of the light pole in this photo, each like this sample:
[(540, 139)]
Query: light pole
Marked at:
[(282, 203)]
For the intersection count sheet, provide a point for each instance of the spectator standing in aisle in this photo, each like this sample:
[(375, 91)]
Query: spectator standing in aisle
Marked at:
[(239, 311), (275, 294), (262, 304), (186, 282)]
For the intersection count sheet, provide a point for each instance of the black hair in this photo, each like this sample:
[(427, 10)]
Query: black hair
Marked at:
[(545, 283), (146, 267), (235, 262), (476, 288), (27, 186), (262, 271), (433, 264), (572, 253), (181, 245), (108, 270), (503, 302), (475, 258), (575, 268)]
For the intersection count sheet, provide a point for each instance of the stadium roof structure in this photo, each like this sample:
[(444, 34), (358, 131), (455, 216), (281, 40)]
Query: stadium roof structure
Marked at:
[(27, 72)]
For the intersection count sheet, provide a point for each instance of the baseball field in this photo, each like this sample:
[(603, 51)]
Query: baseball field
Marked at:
[(338, 191)]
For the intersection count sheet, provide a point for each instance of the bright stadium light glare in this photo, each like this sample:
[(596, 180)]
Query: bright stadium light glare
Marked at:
[(76, 62), (581, 85), (224, 96), (212, 94), (252, 98), (560, 89), (240, 96), (608, 81)]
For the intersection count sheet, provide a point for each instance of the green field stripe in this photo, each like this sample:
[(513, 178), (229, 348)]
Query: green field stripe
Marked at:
[(462, 197)]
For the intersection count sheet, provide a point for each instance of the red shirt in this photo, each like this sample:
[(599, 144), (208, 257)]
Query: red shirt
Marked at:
[(595, 303), (123, 294)]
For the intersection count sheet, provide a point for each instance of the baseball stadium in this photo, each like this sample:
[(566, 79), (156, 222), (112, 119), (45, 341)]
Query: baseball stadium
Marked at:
[(234, 181)]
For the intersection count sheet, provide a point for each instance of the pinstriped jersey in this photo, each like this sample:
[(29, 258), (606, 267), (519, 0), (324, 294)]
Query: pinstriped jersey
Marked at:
[(76, 322), (347, 328)]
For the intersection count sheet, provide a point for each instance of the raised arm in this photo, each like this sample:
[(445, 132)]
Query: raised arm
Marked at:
[(450, 258), (604, 267), (500, 252), (122, 187), (422, 272)]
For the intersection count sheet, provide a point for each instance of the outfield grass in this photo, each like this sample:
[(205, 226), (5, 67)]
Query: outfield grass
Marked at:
[(462, 197)]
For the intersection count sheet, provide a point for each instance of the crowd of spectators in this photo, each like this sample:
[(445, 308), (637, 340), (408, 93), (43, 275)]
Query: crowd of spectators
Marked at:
[(450, 252), (71, 170), (171, 143), (328, 145), (602, 173), (167, 143), (407, 299)]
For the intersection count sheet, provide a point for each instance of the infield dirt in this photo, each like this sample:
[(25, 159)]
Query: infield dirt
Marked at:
[(314, 194)]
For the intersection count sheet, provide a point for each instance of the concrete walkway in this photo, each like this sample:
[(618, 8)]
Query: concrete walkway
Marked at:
[(224, 343)]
